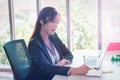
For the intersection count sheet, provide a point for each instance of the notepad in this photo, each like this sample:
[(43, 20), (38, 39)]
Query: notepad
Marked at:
[(94, 72)]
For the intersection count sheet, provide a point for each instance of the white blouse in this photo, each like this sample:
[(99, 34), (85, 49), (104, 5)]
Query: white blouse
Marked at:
[(54, 57)]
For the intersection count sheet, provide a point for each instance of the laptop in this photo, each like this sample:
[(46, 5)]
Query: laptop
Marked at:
[(95, 60)]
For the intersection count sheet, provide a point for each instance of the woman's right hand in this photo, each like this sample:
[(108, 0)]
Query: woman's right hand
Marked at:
[(82, 70)]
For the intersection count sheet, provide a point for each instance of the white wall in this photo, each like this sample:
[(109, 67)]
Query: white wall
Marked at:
[(111, 19)]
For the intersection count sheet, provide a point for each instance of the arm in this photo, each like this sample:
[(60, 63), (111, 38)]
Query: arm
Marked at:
[(42, 61), (67, 57), (65, 54), (80, 70)]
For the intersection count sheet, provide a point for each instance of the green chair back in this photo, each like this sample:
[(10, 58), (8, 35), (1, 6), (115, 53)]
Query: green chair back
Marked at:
[(18, 56)]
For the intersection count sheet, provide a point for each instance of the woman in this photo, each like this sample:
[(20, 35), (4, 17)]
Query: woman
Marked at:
[(48, 53)]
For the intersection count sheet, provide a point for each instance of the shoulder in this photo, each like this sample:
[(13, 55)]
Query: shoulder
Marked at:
[(37, 40), (34, 42)]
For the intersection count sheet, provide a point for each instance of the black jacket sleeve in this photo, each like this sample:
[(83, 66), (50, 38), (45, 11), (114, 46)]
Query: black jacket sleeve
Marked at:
[(40, 57)]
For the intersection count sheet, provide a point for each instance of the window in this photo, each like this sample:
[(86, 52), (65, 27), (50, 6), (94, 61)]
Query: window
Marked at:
[(25, 18), (83, 21), (84, 24), (4, 29), (111, 20)]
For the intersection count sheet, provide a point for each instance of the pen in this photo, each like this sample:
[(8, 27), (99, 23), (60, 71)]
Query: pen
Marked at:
[(105, 72), (84, 59)]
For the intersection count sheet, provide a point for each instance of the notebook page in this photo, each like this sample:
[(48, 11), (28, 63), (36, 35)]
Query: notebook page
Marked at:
[(94, 72)]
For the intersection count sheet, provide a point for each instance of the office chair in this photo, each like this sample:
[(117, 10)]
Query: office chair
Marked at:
[(18, 57)]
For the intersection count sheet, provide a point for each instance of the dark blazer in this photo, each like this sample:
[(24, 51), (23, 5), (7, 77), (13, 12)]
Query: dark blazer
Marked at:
[(42, 67)]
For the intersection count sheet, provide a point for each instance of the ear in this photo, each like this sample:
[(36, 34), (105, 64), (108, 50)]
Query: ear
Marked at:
[(41, 21)]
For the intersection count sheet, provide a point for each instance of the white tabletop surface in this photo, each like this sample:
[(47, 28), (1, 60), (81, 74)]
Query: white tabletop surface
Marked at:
[(111, 71)]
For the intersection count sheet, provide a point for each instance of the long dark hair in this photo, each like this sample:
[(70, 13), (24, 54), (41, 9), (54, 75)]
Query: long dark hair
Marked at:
[(47, 14)]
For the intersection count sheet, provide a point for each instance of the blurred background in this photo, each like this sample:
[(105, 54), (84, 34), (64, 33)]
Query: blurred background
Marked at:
[(84, 25)]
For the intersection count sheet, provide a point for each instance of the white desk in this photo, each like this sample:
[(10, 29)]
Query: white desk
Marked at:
[(107, 65)]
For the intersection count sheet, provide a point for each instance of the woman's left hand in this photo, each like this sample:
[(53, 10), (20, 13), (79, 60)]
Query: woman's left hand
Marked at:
[(62, 62)]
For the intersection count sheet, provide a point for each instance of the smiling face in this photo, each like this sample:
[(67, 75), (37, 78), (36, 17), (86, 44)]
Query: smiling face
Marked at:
[(50, 26)]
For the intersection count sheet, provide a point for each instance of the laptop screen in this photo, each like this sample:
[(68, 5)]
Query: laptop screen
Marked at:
[(96, 60)]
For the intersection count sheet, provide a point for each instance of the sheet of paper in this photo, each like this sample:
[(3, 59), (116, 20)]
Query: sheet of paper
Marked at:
[(94, 72)]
